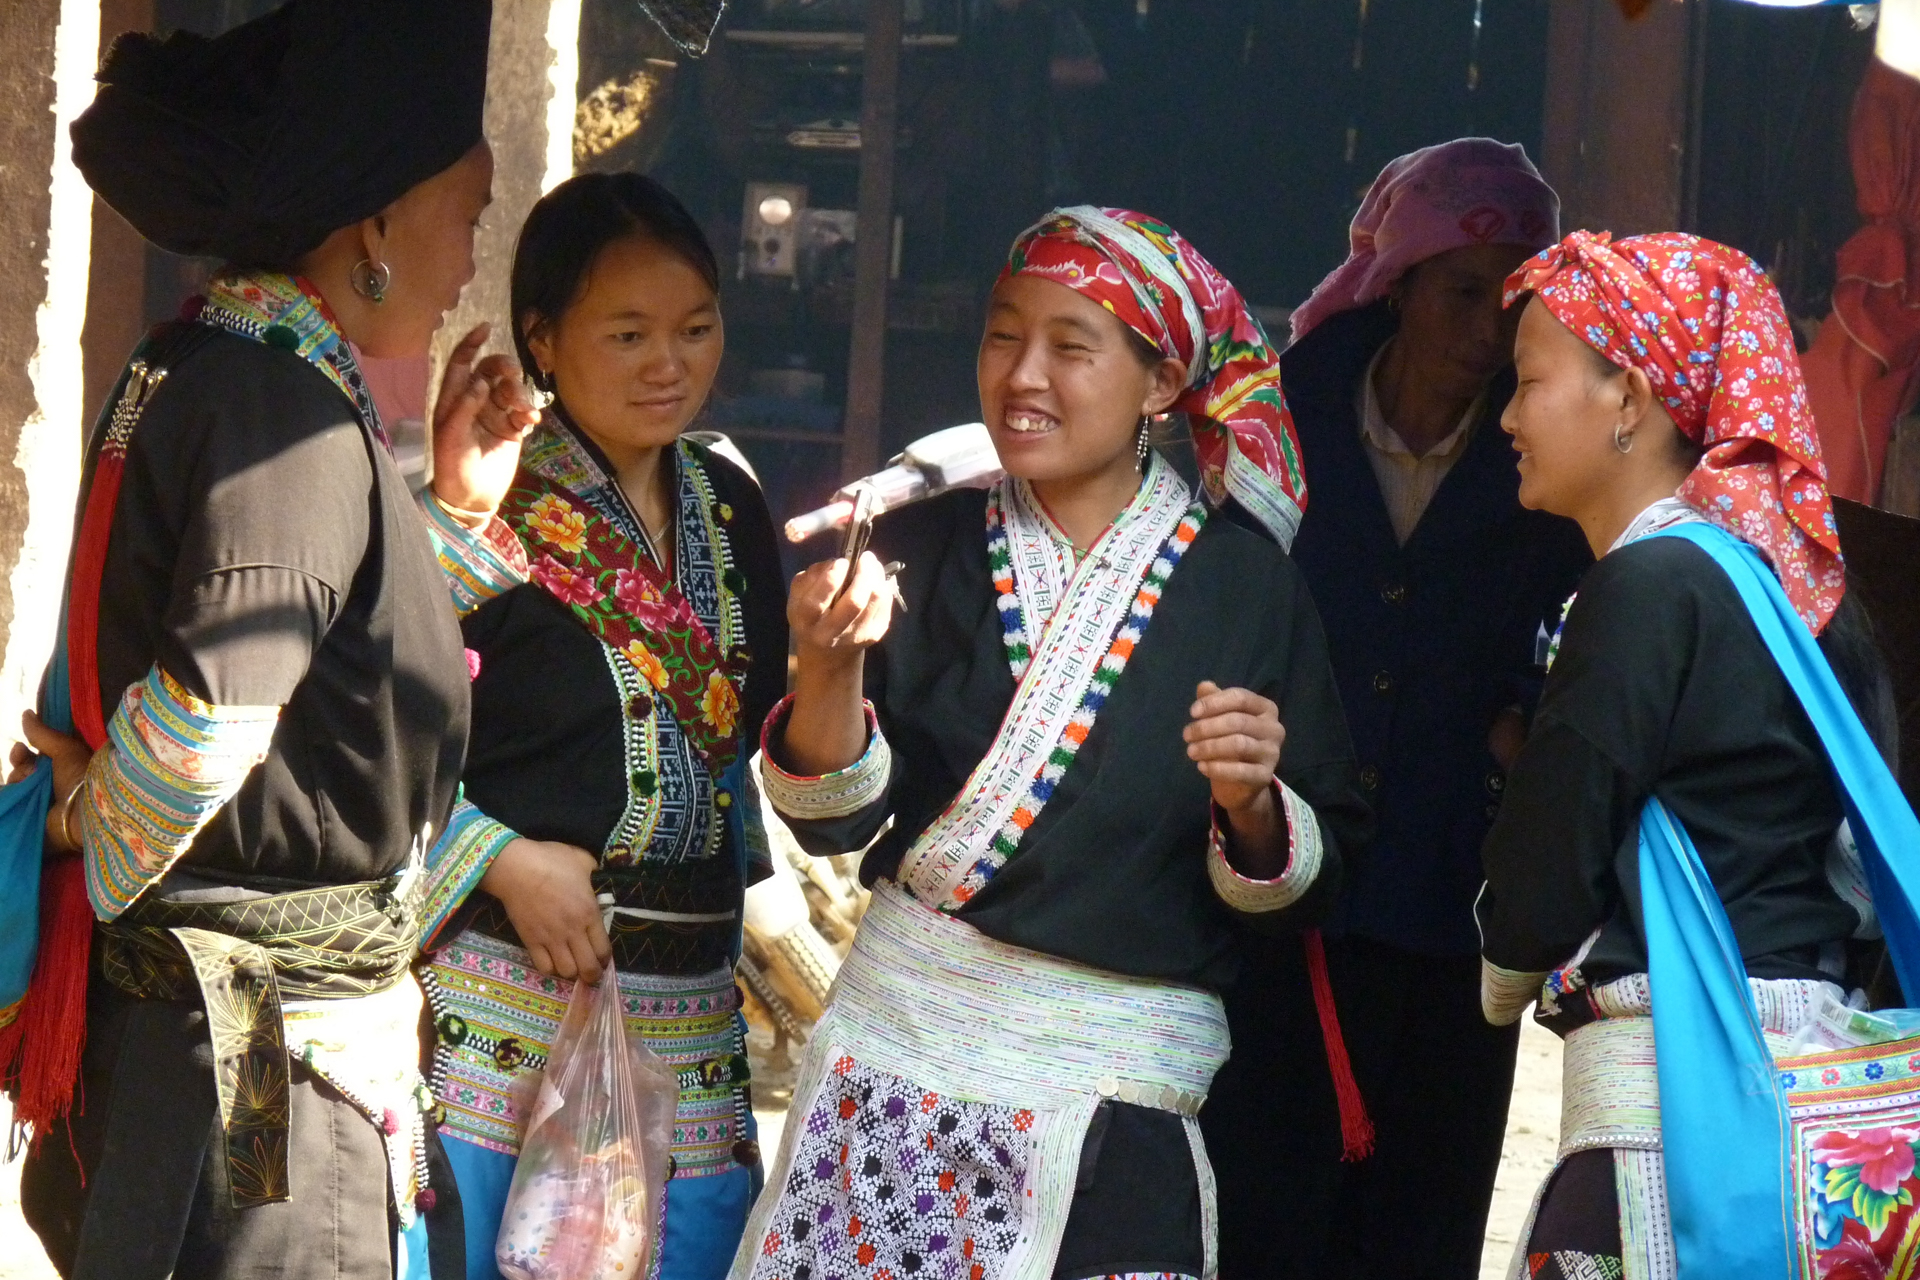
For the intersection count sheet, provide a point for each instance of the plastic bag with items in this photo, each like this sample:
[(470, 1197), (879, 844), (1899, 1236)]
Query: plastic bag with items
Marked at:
[(586, 1197)]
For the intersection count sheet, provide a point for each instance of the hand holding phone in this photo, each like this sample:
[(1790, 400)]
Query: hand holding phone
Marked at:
[(859, 533)]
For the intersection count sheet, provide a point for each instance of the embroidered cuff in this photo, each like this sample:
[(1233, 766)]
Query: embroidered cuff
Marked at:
[(459, 858), (479, 563), (1305, 852), (1506, 993), (172, 762), (839, 794)]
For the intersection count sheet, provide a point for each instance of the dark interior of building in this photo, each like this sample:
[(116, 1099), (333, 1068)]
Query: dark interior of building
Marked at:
[(1254, 126)]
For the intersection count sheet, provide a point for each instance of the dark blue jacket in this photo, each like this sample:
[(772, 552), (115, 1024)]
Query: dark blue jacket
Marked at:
[(1429, 641)]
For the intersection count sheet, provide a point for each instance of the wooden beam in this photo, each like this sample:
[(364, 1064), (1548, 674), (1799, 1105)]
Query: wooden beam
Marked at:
[(873, 246), (117, 277), (1617, 113)]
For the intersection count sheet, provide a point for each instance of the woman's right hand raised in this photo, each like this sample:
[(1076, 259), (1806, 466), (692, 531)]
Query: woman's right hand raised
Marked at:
[(480, 418), (828, 632), (547, 889)]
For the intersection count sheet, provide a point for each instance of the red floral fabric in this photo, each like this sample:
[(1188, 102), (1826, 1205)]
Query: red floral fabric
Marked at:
[(1863, 370), (1146, 273), (1707, 327)]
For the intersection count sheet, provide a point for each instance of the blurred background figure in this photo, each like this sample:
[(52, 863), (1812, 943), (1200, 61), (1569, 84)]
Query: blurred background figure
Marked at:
[(1434, 585)]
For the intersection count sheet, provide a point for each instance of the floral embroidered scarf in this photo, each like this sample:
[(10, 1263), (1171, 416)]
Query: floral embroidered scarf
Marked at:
[(1146, 273), (582, 557)]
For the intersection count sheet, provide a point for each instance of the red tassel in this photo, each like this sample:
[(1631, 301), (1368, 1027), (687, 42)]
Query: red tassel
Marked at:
[(40, 1051), (1356, 1128), (83, 601)]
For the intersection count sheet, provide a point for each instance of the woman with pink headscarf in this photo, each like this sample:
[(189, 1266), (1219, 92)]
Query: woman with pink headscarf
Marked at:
[(1433, 583)]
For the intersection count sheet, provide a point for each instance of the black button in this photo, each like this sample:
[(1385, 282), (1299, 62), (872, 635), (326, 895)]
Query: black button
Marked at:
[(1394, 593), (1493, 811), (1496, 782), (1370, 778), (1383, 682)]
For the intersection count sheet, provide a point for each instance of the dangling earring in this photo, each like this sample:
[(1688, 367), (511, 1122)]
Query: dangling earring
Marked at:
[(1143, 442), (539, 385), (1623, 445), (371, 280)]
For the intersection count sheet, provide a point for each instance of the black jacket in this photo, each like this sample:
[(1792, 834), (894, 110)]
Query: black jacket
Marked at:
[(1429, 641)]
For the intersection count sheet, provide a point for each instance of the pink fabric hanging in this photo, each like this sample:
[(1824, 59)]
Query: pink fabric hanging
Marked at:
[(1863, 370)]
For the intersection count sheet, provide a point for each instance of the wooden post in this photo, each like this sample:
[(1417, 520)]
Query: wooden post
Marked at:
[(46, 80), (532, 59), (117, 277), (1619, 100), (873, 247)]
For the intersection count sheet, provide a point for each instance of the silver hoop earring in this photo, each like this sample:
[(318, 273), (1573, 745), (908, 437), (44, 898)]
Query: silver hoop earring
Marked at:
[(1143, 444), (371, 280), (1624, 445)]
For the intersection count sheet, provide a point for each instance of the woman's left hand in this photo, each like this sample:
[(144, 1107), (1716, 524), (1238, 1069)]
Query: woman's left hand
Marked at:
[(70, 757), (479, 420), (1234, 739)]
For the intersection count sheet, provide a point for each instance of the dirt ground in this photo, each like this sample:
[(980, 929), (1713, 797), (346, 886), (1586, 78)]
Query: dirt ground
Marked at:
[(1532, 1131)]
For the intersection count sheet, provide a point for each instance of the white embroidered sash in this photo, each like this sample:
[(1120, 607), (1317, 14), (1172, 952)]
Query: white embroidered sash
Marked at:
[(1072, 625)]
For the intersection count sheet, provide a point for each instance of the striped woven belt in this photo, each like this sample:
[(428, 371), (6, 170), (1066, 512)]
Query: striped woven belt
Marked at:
[(1610, 1082), (241, 960)]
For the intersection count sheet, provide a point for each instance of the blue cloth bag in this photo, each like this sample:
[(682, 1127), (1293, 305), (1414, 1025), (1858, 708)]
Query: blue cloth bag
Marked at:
[(23, 825), (1724, 1120)]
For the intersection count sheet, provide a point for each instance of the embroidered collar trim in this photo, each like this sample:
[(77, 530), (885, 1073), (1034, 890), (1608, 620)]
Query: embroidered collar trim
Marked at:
[(1663, 514), (286, 311), (1068, 641)]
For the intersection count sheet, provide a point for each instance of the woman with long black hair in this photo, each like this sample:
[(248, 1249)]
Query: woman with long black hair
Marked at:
[(623, 609)]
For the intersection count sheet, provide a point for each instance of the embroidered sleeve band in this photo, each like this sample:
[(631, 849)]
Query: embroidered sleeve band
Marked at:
[(1506, 993), (171, 762), (840, 794), (479, 563), (458, 859), (1305, 852)]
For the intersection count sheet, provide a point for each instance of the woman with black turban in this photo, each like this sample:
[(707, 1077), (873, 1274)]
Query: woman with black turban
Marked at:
[(269, 690)]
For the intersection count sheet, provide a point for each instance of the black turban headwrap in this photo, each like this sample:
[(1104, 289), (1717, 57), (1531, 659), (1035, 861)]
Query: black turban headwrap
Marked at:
[(258, 144)]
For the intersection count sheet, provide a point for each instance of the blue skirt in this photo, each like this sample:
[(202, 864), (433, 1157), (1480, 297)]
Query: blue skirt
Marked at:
[(705, 1216)]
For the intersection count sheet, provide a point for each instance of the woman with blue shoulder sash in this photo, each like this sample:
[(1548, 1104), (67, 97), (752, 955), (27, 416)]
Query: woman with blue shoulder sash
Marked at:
[(1660, 405)]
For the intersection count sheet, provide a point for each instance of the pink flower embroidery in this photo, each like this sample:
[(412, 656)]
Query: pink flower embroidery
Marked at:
[(1884, 1156), (633, 592), (567, 585)]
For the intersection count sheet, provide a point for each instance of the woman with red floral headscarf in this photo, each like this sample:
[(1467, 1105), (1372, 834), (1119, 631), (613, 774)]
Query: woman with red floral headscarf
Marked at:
[(1658, 388), (1076, 728)]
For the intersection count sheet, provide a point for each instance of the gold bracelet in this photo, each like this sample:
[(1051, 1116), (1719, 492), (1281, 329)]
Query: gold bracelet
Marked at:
[(66, 815), (461, 514)]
